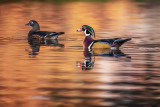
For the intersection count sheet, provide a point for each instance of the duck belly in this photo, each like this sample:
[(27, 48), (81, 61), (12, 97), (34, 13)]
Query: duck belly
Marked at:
[(100, 45)]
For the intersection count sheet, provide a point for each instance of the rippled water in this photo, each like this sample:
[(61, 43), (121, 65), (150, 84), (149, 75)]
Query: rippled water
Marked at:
[(60, 74)]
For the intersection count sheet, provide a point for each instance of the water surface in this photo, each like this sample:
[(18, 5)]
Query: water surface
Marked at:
[(53, 74)]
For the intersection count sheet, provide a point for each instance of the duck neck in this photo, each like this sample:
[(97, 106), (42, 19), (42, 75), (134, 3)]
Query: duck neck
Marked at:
[(87, 41), (35, 27)]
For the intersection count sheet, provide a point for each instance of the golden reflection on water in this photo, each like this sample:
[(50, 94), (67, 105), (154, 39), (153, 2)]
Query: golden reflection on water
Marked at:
[(51, 77)]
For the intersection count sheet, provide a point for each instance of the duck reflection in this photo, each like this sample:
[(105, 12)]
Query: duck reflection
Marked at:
[(89, 61), (35, 44)]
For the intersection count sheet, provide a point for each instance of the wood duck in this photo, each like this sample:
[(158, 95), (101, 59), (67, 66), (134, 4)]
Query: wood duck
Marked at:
[(36, 33), (100, 43)]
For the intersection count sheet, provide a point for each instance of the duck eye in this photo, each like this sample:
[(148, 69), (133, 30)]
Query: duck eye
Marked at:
[(87, 32), (31, 23), (83, 29)]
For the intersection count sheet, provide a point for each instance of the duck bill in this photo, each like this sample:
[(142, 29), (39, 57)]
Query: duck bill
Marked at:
[(79, 30), (28, 24)]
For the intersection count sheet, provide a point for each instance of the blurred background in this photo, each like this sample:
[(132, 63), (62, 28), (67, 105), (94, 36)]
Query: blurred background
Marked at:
[(55, 73)]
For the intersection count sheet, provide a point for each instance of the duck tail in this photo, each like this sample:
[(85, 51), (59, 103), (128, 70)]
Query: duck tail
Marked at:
[(120, 42), (60, 33)]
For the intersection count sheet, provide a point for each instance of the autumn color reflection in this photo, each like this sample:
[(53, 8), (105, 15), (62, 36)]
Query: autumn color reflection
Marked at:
[(35, 44), (89, 57), (37, 73)]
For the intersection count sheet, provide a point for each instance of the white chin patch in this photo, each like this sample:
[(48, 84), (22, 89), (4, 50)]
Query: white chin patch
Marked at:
[(87, 34)]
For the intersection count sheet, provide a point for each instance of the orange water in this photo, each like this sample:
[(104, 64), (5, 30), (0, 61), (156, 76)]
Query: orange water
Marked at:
[(53, 75)]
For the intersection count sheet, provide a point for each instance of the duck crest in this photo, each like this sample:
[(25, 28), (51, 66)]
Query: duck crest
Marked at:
[(87, 41)]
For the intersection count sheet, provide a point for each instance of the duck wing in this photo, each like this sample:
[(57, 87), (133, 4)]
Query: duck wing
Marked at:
[(119, 42), (46, 33), (116, 42), (106, 41)]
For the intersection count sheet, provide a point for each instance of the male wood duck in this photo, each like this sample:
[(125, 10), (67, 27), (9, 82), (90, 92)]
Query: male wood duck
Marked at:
[(100, 43), (36, 33)]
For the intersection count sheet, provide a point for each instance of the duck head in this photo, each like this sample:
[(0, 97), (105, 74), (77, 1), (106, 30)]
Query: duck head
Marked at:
[(34, 24), (87, 30)]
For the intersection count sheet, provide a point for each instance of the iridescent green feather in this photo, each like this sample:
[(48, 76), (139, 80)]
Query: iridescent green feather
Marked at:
[(90, 29)]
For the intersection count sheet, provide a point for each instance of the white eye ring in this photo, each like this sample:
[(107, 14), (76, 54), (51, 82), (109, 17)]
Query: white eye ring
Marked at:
[(31, 22)]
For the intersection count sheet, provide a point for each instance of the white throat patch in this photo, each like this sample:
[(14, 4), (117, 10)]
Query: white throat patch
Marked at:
[(86, 33)]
